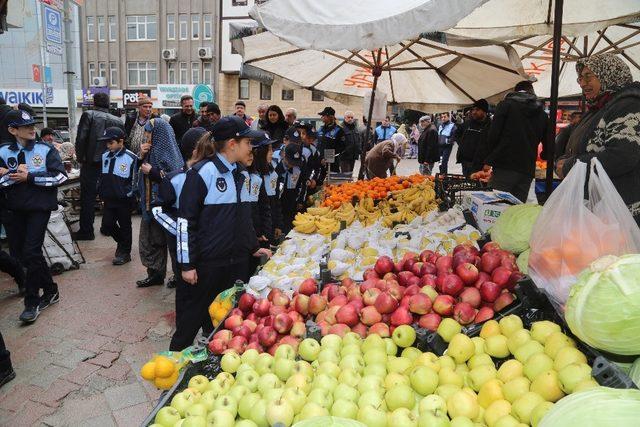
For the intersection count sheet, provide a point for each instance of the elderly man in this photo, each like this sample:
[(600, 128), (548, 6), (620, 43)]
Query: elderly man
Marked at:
[(352, 142), (427, 145), (262, 118), (380, 159), (183, 121), (134, 124), (241, 107), (290, 116)]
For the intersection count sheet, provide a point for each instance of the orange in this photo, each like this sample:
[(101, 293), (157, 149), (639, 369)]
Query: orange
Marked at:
[(148, 371), (168, 382), (164, 367)]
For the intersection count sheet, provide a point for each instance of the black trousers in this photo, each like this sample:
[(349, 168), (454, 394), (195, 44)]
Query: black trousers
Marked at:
[(467, 168), (192, 301), (12, 267), (445, 152), (288, 204), (116, 222), (5, 359), (26, 231), (512, 182), (89, 174)]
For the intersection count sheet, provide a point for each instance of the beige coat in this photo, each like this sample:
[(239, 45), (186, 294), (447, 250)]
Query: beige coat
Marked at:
[(380, 159)]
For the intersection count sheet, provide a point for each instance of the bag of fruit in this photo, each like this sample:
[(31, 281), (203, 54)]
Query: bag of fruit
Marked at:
[(573, 231)]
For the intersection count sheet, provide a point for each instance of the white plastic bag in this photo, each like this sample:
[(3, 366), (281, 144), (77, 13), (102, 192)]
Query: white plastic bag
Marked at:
[(572, 232)]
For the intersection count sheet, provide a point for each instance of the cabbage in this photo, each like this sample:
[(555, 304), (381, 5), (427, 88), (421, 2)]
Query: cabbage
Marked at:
[(634, 373), (523, 261), (328, 421), (512, 230), (597, 407), (603, 308)]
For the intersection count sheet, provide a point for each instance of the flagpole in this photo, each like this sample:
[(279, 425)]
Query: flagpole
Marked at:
[(39, 18), (553, 106)]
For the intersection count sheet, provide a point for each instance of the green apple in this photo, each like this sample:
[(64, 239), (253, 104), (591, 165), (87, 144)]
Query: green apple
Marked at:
[(398, 364), (230, 362), (219, 387), (434, 404), (429, 360), (400, 396), (250, 356), (313, 410), (344, 408), (352, 338), (446, 361), (510, 324), (429, 419), (392, 348), (354, 362), (280, 411), (393, 379), (325, 382), (567, 356), (478, 342), (328, 355), (541, 330), (197, 421), (348, 349), (480, 359), (523, 406), (481, 374), (461, 422), (246, 404), (331, 341), (237, 391), (585, 385), (167, 416), (509, 370), (539, 412), (515, 388), (258, 414), (528, 349), (462, 369), (449, 376), (373, 341), (244, 367), (572, 374), (490, 327), (424, 380), (249, 379), (296, 398), (461, 348), (182, 401), (245, 423), (299, 381), (349, 377), (285, 351), (555, 342), (273, 395), (379, 369), (221, 418), (199, 382), (404, 336), (225, 377), (208, 399), (446, 390), (309, 349), (518, 339), (370, 382), (496, 346), (462, 404), (264, 363), (375, 355), (267, 382), (330, 368), (344, 391), (403, 417), (537, 364), (321, 396), (507, 421), (283, 368), (490, 392), (547, 385), (303, 367), (448, 328), (496, 410), (371, 416), (374, 398), (226, 403)]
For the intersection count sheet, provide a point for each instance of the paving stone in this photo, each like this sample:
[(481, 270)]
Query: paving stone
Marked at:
[(18, 396), (94, 343), (31, 413), (104, 359), (101, 421), (118, 371), (125, 396), (98, 383), (56, 392), (72, 359), (47, 376), (81, 373), (133, 415), (77, 410)]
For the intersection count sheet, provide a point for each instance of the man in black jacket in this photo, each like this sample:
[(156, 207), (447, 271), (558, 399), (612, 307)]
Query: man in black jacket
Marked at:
[(518, 126), (472, 142), (89, 154), (428, 152), (183, 121), (352, 142)]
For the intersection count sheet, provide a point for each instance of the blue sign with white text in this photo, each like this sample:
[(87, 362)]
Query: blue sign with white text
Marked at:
[(52, 25)]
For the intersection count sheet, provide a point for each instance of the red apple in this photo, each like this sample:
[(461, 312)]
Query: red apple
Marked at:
[(404, 276), (427, 256), (255, 346), (443, 305), (308, 287), (370, 296), (382, 284), (274, 310), (463, 257), (370, 273), (331, 315), (242, 331), (360, 329), (324, 327), (489, 261), (482, 277), (452, 285), (238, 344), (333, 291), (236, 312), (408, 264), (301, 304), (354, 293), (404, 302), (471, 296), (508, 264), (503, 300), (339, 329), (383, 265), (484, 314), (390, 276), (444, 264), (232, 322), (430, 321), (401, 316), (317, 303), (501, 276), (217, 346), (272, 293), (428, 268), (467, 247), (411, 290), (490, 291), (291, 340), (420, 304), (321, 316), (468, 273), (348, 282), (370, 316), (253, 317), (347, 315), (398, 266), (414, 281), (250, 324), (464, 313), (381, 329), (245, 302), (416, 268), (385, 303), (490, 246), (395, 291), (298, 330), (358, 304), (339, 300), (223, 335), (515, 277), (282, 323), (295, 316), (428, 280), (267, 321), (368, 284)]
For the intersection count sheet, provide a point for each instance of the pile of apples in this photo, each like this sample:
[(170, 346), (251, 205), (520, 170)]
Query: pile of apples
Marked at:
[(468, 285), (264, 324)]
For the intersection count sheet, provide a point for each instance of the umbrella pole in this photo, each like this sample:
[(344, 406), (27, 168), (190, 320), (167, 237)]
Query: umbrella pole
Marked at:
[(553, 107), (367, 133)]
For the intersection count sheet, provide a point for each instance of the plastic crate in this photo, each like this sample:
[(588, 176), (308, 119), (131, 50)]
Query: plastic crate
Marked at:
[(449, 188)]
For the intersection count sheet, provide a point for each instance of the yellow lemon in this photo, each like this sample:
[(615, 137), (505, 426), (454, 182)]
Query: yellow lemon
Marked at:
[(166, 383), (148, 371), (164, 367)]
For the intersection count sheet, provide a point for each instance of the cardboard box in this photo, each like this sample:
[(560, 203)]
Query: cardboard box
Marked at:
[(487, 206)]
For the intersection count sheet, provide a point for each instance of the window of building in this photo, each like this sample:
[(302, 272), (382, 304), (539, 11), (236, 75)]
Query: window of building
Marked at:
[(195, 73), (91, 32), (183, 73), (102, 69), (142, 73), (113, 29), (195, 26), (101, 28), (243, 89), (207, 75), (171, 72), (265, 91), (113, 74), (184, 26), (287, 94), (92, 71), (141, 27), (171, 27), (239, 2), (207, 26), (317, 95)]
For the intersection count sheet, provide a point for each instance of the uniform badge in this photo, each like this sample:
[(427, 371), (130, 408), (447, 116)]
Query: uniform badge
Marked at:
[(274, 183), (255, 188), (221, 185), (12, 162), (123, 167), (37, 160), (25, 116)]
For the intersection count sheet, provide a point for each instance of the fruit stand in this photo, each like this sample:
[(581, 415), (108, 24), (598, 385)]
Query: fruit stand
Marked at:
[(387, 307)]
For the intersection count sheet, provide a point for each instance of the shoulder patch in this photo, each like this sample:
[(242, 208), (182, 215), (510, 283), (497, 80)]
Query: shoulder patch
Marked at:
[(221, 184)]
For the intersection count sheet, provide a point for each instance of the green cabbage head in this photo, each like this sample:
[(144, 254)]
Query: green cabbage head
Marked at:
[(512, 230), (523, 261), (603, 308), (598, 406)]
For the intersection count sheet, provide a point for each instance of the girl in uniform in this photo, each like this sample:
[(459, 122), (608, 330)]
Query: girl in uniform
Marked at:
[(215, 233), (290, 171)]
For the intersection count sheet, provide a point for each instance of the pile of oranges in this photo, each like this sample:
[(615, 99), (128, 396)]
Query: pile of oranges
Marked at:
[(376, 188)]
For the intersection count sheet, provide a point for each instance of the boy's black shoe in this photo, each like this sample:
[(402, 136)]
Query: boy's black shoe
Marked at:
[(121, 259), (82, 236), (154, 280), (48, 300), (171, 283), (30, 314), (6, 376)]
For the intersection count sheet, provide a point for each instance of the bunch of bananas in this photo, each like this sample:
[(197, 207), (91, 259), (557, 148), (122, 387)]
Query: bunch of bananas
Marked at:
[(346, 213), (305, 223), (327, 225)]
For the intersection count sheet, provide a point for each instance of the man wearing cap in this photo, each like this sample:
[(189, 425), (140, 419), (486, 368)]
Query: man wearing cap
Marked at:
[(315, 172), (89, 154), (183, 120), (472, 143), (240, 107), (30, 171), (331, 136), (207, 118)]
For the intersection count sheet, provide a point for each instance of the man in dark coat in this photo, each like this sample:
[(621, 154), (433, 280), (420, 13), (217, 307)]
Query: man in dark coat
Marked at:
[(472, 142), (565, 134), (89, 154), (427, 145), (518, 126), (183, 121), (352, 142)]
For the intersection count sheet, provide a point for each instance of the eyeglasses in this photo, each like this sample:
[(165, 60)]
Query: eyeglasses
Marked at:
[(587, 78)]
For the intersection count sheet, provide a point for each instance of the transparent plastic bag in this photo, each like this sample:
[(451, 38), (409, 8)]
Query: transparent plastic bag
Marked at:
[(572, 232)]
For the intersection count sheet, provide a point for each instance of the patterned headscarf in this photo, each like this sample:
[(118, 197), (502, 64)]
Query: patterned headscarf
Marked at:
[(612, 71)]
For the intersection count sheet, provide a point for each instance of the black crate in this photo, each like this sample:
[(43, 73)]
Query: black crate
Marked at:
[(449, 188)]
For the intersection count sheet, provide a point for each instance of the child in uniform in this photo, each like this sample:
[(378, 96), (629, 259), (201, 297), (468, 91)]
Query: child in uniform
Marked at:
[(290, 172), (116, 191)]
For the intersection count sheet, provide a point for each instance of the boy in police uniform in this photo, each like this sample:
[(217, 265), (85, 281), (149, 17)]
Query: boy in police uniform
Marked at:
[(30, 171), (116, 191)]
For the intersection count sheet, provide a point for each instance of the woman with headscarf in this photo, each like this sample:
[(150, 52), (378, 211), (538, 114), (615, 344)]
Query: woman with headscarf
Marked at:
[(159, 156), (276, 125), (610, 130), (380, 158)]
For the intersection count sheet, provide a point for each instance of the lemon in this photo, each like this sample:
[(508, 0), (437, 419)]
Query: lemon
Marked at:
[(148, 371), (164, 367), (166, 383)]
